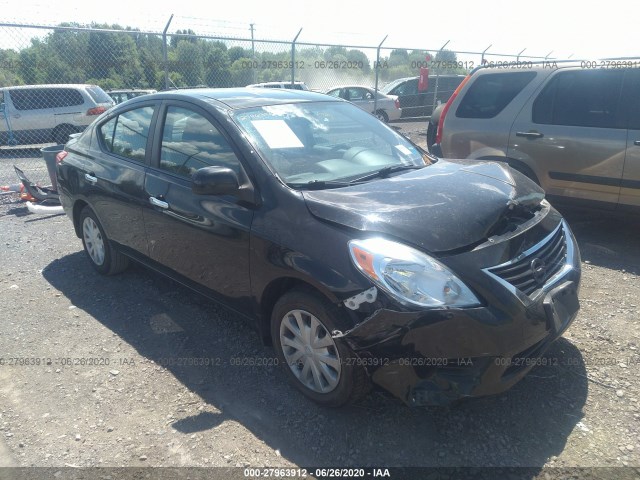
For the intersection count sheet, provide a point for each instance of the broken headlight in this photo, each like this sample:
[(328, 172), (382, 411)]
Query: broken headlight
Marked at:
[(410, 276)]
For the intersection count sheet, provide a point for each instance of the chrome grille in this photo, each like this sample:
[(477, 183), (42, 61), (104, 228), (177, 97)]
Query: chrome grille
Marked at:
[(530, 273)]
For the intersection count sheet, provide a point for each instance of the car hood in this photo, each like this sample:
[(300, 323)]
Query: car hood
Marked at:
[(443, 207)]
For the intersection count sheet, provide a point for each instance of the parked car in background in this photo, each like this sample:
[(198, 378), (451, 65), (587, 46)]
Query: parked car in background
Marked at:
[(387, 107), (420, 104), (123, 95), (573, 128), (288, 85), (356, 254), (31, 114)]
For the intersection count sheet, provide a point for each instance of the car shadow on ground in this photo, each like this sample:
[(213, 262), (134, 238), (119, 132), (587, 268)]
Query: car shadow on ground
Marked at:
[(162, 321)]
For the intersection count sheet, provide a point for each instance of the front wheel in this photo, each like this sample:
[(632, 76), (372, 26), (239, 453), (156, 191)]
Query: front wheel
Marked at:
[(322, 368), (104, 258)]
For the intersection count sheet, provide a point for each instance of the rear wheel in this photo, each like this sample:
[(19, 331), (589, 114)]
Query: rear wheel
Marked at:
[(321, 367), (62, 132), (104, 258), (382, 116)]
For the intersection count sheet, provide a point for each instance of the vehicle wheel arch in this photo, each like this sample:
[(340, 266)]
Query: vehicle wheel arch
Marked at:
[(517, 165), (63, 130), (78, 206), (382, 115), (275, 290)]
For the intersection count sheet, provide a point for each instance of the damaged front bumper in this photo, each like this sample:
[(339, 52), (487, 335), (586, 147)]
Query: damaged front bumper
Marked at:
[(438, 356)]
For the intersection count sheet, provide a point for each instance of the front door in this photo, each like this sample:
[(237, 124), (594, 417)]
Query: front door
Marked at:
[(204, 238)]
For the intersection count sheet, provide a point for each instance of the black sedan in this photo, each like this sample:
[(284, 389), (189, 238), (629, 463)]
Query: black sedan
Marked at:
[(361, 258)]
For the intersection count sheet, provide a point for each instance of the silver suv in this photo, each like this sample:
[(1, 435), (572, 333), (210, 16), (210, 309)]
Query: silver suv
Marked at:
[(32, 114), (574, 128)]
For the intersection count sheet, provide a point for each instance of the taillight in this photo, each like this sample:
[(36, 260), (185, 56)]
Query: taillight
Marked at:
[(96, 110), (445, 110), (397, 102), (60, 157)]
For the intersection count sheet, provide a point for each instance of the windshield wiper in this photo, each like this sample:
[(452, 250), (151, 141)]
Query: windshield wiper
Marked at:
[(385, 172), (319, 184)]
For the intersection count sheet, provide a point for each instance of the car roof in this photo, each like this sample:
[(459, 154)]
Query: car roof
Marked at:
[(128, 90), (52, 85), (352, 86), (238, 98), (275, 83)]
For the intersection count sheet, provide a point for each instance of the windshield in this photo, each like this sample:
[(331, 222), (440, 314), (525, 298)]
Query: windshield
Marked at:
[(325, 142)]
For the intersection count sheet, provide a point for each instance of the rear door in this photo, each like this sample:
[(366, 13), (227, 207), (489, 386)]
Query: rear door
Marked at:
[(573, 135), (204, 238), (113, 181), (68, 104), (630, 185)]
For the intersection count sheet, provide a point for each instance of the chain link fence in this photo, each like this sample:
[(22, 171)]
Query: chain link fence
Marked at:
[(81, 71)]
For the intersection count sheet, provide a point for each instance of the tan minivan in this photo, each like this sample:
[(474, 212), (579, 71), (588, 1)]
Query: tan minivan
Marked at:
[(574, 128)]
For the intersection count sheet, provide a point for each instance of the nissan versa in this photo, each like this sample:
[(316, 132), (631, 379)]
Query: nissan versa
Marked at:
[(361, 258)]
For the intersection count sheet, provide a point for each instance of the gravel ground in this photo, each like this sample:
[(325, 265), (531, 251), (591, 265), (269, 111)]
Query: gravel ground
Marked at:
[(99, 371)]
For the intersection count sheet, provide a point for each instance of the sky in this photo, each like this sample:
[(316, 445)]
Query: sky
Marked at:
[(554, 28)]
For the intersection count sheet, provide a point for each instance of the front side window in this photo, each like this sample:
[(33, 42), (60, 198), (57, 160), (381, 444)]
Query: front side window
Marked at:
[(126, 135), (491, 93), (581, 98), (324, 141), (409, 87), (28, 99), (358, 94), (191, 142)]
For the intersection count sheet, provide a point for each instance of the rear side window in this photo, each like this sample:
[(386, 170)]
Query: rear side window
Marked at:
[(491, 93), (63, 97), (582, 98), (126, 135)]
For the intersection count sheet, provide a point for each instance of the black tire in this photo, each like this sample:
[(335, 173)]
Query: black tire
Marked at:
[(61, 134), (382, 116), (431, 135), (104, 258), (352, 380)]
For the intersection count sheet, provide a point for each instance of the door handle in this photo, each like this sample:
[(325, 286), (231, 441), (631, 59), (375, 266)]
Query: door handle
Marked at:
[(158, 203), (637, 142), (89, 177), (532, 135)]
